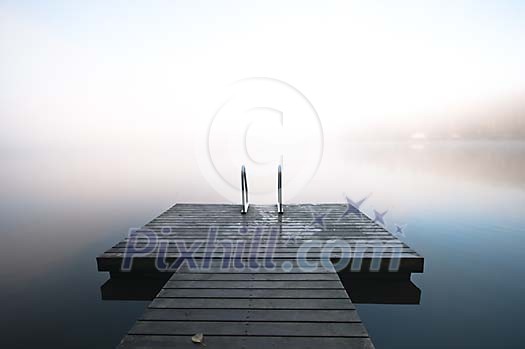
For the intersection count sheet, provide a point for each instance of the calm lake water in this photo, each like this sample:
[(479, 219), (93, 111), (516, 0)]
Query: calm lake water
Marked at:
[(463, 204)]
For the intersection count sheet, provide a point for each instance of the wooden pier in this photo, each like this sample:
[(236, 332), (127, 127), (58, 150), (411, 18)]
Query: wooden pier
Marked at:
[(238, 301), (374, 249), (246, 309)]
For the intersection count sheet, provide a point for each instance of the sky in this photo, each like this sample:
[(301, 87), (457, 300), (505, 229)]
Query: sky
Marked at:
[(147, 74)]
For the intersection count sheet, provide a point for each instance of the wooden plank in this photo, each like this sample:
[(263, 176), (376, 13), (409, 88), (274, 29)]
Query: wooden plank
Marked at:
[(300, 234), (406, 264), (259, 276), (250, 293), (252, 284), (274, 315), (284, 251), (232, 328), (286, 255), (288, 246), (246, 303), (216, 265), (248, 342)]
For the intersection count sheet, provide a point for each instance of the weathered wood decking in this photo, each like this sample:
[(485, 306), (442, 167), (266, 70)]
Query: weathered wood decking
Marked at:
[(238, 301), (247, 309), (372, 248)]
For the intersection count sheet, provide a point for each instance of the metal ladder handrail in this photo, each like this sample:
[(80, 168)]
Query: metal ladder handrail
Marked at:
[(280, 208), (244, 191)]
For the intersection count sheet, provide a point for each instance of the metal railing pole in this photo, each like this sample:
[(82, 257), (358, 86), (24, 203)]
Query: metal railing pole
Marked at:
[(280, 209), (244, 191)]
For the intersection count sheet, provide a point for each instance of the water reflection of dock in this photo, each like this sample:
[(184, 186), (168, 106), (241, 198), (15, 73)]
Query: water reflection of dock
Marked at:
[(239, 303)]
